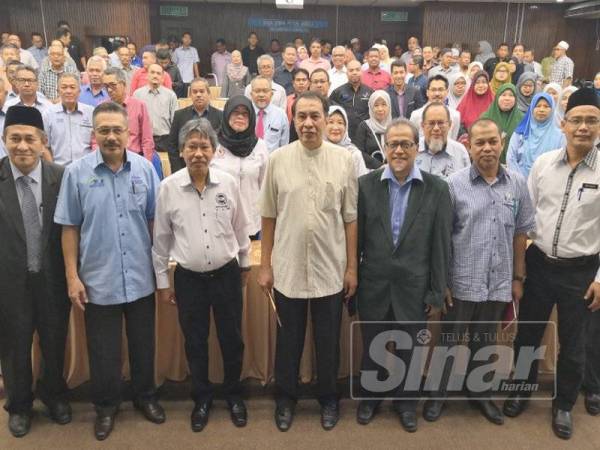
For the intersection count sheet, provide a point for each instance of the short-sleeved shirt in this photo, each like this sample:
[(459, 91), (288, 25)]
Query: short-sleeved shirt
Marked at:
[(161, 104), (69, 133), (112, 211), (89, 98), (311, 194), (485, 221), (185, 58), (561, 70), (379, 79)]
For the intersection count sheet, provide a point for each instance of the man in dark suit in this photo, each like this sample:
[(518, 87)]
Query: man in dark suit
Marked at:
[(33, 294), (405, 99), (200, 108), (404, 224)]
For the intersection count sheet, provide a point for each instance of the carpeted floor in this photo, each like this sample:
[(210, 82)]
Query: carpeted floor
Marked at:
[(461, 427)]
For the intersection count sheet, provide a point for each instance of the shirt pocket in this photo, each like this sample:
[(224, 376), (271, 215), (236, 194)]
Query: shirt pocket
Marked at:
[(588, 201), (509, 213), (330, 197), (223, 226), (138, 196)]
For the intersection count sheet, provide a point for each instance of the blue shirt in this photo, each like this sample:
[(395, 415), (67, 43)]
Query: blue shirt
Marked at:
[(38, 53), (276, 127), (399, 193), (487, 216), (69, 133), (185, 58), (112, 211), (86, 96)]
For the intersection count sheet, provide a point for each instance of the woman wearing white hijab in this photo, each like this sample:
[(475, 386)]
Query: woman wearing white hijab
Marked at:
[(457, 88), (336, 132), (370, 133), (485, 52), (561, 104)]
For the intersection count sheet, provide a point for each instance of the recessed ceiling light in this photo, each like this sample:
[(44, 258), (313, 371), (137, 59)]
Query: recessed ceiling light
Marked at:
[(559, 1)]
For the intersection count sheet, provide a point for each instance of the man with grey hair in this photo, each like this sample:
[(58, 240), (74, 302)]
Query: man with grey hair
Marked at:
[(337, 73), (412, 242), (69, 123), (49, 75), (266, 69), (94, 93), (446, 66), (438, 154), (212, 264), (106, 207), (271, 121), (25, 56)]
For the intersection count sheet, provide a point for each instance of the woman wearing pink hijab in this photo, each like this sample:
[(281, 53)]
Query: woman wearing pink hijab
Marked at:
[(476, 101)]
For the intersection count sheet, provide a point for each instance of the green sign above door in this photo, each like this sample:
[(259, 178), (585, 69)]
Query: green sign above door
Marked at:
[(173, 10), (394, 16)]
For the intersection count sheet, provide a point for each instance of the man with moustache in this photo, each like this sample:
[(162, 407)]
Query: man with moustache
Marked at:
[(271, 122), (437, 91)]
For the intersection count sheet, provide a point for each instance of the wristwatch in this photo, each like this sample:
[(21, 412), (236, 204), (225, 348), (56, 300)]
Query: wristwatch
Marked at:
[(518, 278), (245, 269)]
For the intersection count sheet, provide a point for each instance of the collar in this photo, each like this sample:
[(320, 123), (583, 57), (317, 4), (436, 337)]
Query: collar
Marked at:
[(35, 174), (101, 92), (152, 90), (415, 174), (36, 102), (402, 92), (590, 160), (342, 70), (474, 173), (265, 109), (202, 114), (212, 178), (76, 110), (374, 73), (100, 160)]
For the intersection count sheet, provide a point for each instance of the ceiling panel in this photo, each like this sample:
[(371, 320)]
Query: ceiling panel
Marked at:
[(379, 3)]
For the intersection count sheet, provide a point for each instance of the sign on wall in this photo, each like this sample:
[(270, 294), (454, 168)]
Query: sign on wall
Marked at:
[(173, 10), (394, 16), (287, 25)]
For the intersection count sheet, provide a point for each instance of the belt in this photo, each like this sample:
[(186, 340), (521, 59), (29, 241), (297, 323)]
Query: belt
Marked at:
[(211, 274), (580, 261)]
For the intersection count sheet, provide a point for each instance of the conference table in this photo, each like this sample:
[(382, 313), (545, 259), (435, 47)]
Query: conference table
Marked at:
[(259, 327)]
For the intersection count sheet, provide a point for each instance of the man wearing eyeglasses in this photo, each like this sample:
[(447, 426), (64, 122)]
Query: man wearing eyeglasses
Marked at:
[(562, 262), (106, 207), (438, 154), (27, 82), (404, 221)]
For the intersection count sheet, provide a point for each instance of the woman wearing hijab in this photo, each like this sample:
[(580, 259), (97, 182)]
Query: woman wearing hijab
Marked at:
[(474, 67), (336, 132), (370, 133), (525, 90), (501, 76), (242, 154), (505, 114), (561, 104), (237, 77), (302, 55), (554, 89), (457, 87), (515, 68), (485, 52), (536, 134), (476, 101)]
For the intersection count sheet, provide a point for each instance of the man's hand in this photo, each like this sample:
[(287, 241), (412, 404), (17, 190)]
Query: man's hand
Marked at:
[(447, 302), (593, 294), (517, 291), (350, 283), (76, 291), (167, 296), (245, 275), (265, 278), (432, 311)]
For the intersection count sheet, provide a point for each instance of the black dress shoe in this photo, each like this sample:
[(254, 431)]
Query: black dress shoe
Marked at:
[(284, 416), (60, 412), (562, 423), (104, 425), (19, 424), (592, 404), (366, 411), (152, 411), (514, 406), (490, 411), (239, 415), (330, 414), (432, 410), (408, 419), (200, 416)]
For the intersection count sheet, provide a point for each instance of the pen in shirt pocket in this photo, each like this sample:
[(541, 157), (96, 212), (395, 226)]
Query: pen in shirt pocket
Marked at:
[(133, 186)]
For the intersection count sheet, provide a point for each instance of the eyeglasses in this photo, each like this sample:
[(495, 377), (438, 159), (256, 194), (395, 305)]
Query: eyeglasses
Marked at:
[(26, 80), (105, 131), (404, 145), (433, 123), (111, 86), (589, 121)]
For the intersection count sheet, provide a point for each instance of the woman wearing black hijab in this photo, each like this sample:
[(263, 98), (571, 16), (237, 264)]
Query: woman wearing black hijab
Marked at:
[(242, 154)]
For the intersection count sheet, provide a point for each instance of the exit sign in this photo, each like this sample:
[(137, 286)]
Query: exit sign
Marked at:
[(173, 10), (394, 16)]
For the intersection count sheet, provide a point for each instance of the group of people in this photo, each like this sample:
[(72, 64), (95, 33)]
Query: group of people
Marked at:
[(401, 190)]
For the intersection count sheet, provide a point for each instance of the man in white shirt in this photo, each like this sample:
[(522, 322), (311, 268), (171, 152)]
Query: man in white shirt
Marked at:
[(337, 74), (27, 82), (201, 223), (266, 69), (25, 55), (271, 122), (186, 58)]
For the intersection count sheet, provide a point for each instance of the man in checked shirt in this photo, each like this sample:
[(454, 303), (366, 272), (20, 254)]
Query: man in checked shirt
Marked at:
[(492, 216)]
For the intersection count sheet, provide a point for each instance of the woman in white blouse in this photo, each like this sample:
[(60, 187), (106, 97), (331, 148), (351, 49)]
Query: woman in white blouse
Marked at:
[(243, 155)]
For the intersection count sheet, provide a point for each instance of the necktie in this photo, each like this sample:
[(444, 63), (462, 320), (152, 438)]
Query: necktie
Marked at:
[(260, 125), (31, 221)]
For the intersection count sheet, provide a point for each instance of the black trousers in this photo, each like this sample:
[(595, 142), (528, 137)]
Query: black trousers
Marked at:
[(161, 143), (104, 329), (326, 313), (198, 293), (176, 162), (591, 379), (49, 316), (369, 332), (476, 335), (548, 284)]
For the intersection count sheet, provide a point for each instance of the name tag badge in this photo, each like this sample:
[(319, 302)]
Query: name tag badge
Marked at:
[(95, 182), (589, 186)]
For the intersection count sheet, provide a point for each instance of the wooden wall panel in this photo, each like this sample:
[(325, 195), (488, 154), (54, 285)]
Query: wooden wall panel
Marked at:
[(542, 29), (88, 18)]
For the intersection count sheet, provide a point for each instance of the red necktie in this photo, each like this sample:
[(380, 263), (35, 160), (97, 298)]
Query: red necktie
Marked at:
[(260, 126)]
